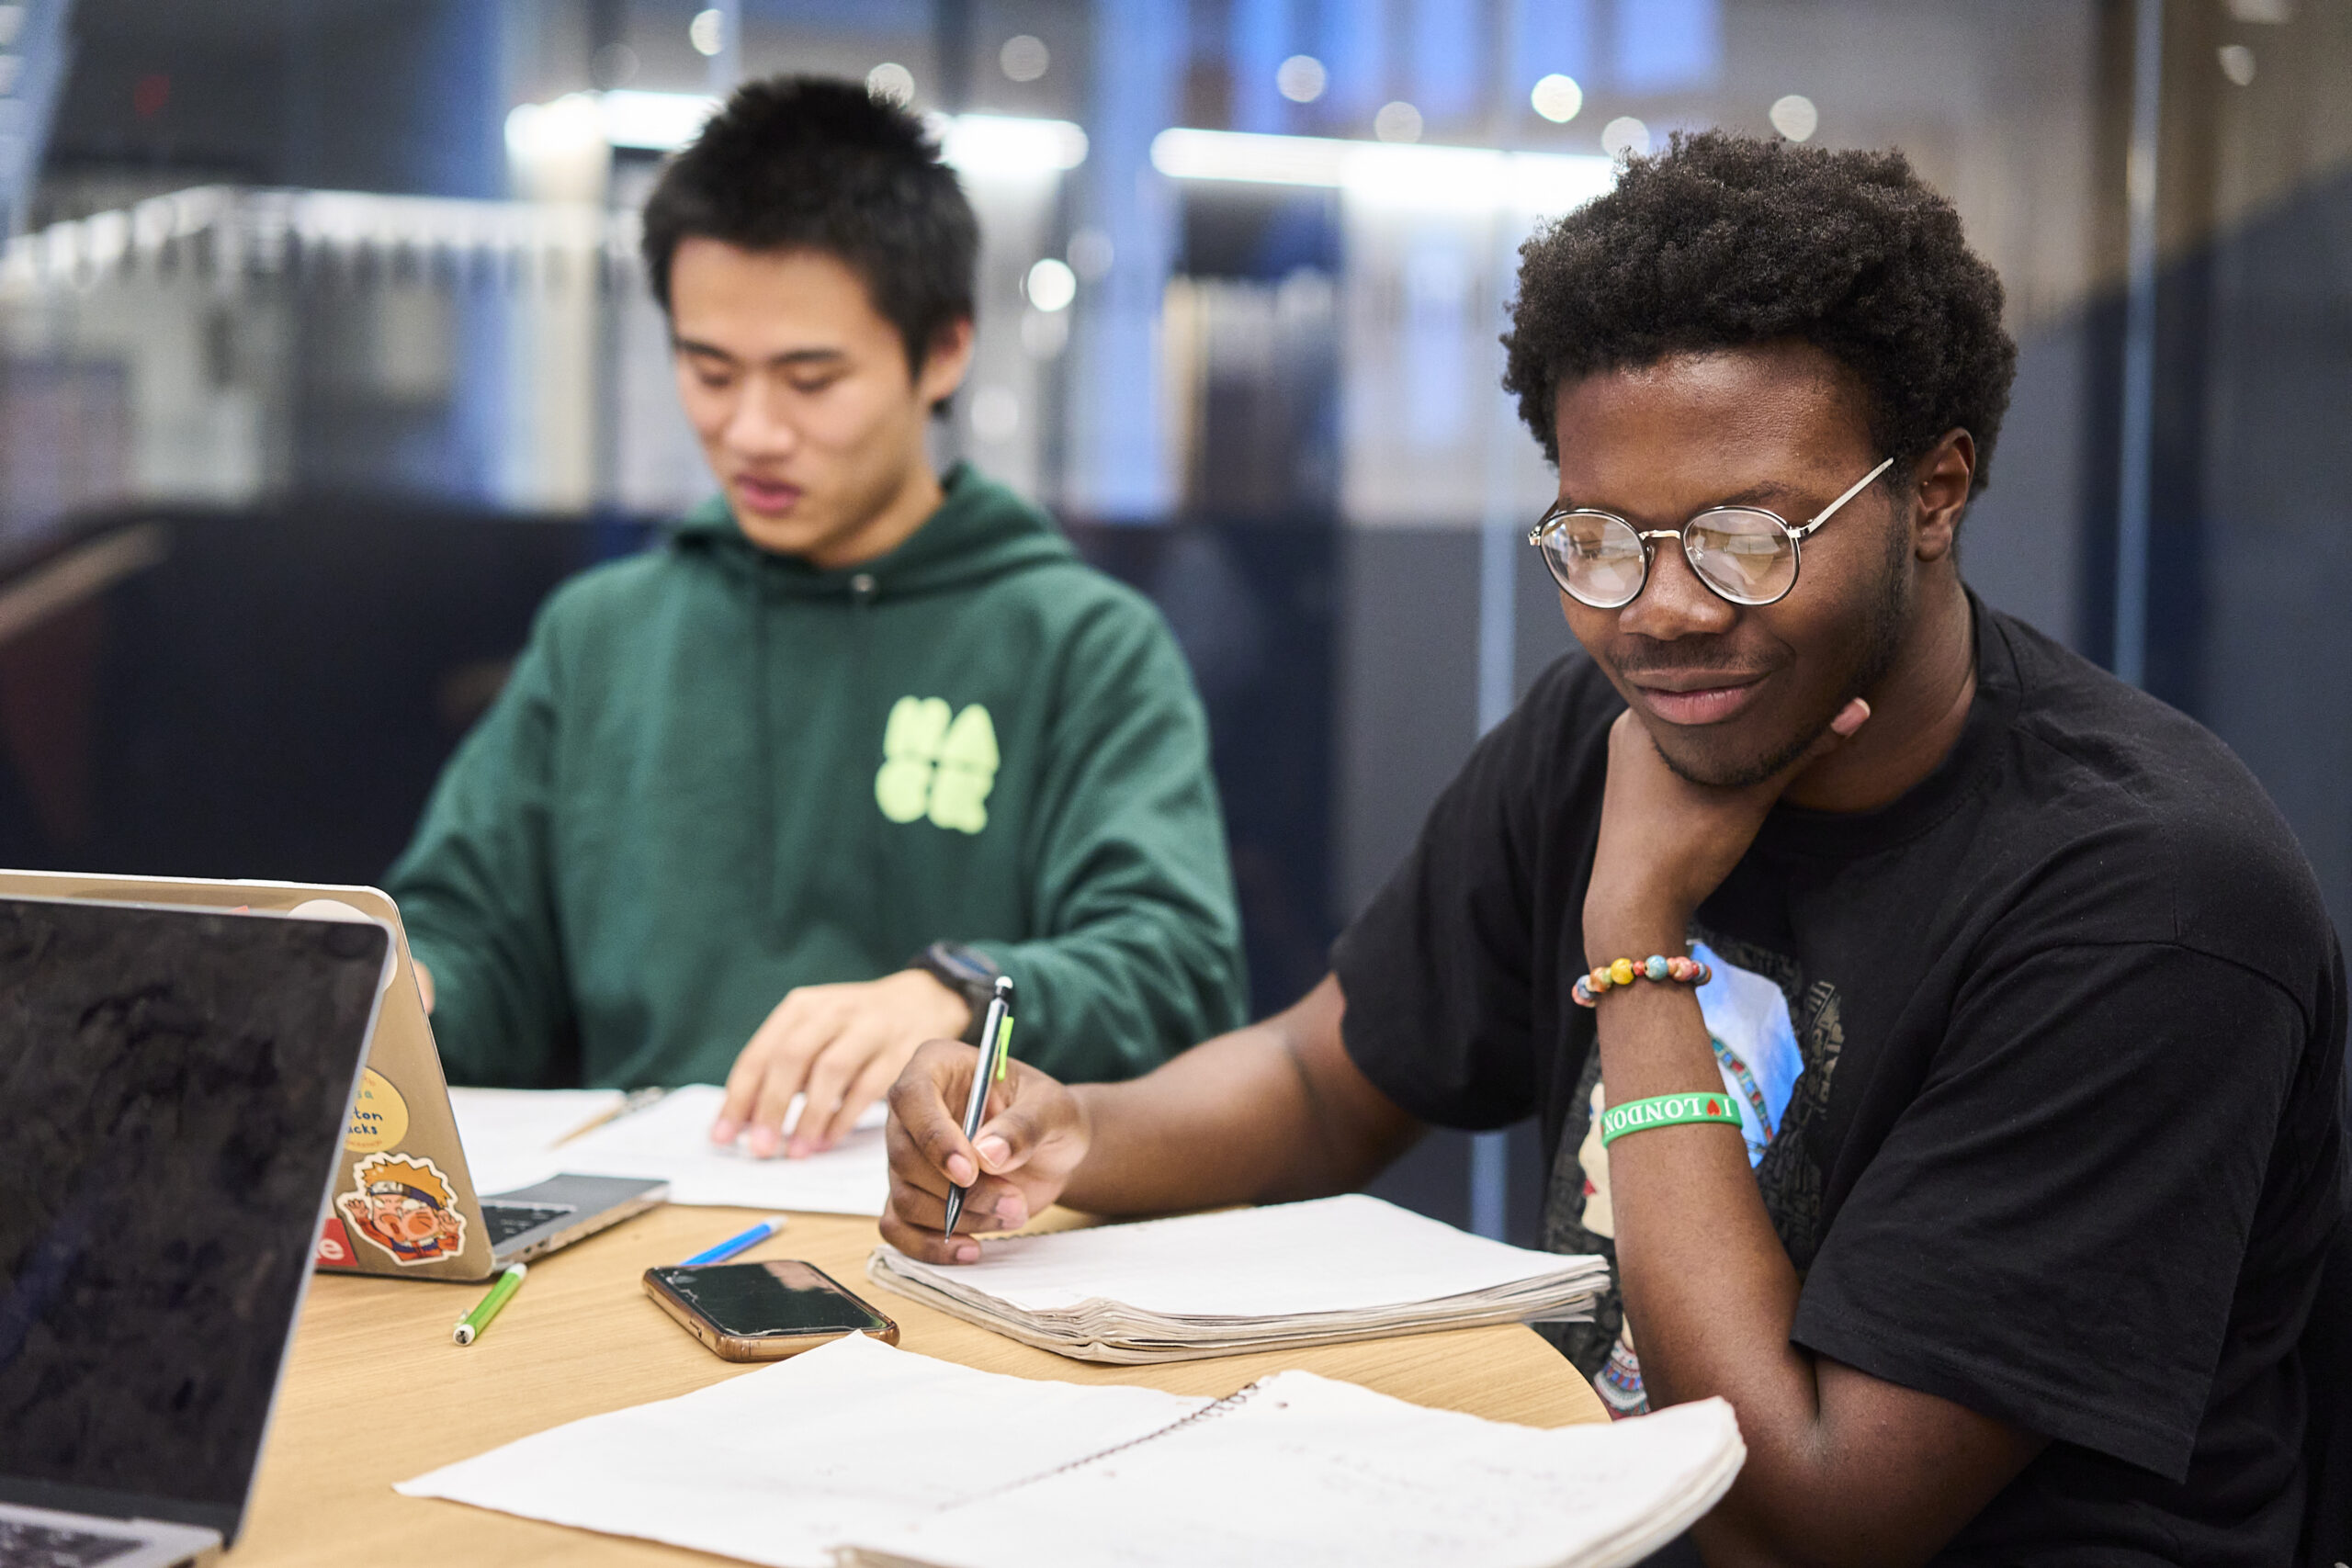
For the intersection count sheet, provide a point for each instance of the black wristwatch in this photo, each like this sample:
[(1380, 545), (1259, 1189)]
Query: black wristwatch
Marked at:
[(966, 971)]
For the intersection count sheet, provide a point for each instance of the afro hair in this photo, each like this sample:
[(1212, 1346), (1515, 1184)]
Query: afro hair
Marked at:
[(1723, 241), (809, 162)]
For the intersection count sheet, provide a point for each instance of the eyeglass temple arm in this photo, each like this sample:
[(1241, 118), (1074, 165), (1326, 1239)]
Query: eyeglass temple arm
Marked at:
[(1830, 511)]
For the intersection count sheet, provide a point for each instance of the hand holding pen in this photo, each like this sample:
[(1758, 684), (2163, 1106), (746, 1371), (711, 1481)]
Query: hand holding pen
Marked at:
[(996, 1043), (1030, 1143)]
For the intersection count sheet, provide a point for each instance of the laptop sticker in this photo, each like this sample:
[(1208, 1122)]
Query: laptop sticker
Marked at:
[(405, 1207), (334, 1247), (379, 1116)]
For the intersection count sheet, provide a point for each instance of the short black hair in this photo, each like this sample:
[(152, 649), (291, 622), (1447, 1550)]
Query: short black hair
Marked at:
[(1724, 242), (811, 162)]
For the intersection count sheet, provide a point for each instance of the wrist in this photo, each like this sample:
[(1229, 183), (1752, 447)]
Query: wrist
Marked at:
[(1610, 933), (968, 973), (946, 1015), (1081, 1189)]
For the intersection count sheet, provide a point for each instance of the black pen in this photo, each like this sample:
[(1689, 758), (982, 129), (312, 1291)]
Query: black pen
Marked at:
[(996, 1045)]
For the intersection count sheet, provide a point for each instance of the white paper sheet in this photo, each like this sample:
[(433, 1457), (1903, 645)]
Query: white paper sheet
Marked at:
[(671, 1140), (858, 1453), (510, 1134), (780, 1465), (1347, 1254), (1311, 1473)]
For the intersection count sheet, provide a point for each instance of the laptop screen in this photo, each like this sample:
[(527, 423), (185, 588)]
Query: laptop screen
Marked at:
[(173, 1092)]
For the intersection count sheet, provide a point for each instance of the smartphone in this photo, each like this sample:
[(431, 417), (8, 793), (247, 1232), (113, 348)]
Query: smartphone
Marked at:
[(763, 1312)]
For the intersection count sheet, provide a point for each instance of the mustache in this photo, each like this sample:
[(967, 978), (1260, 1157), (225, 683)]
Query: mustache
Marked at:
[(1684, 664)]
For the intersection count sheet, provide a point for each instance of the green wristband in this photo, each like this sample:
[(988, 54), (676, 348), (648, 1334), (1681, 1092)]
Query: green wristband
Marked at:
[(1665, 1111)]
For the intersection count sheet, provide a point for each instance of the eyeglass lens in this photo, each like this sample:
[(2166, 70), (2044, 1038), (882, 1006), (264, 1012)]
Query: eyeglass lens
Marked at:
[(1596, 558), (1747, 557)]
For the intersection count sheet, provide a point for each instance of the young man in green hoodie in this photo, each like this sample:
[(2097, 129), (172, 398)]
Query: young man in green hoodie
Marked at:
[(775, 802)]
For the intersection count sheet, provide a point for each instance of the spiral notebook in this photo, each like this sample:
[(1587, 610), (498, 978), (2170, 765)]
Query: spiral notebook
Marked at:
[(858, 1454), (1274, 1277)]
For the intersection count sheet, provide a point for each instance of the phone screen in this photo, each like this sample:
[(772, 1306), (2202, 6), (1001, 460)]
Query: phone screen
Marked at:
[(757, 1300)]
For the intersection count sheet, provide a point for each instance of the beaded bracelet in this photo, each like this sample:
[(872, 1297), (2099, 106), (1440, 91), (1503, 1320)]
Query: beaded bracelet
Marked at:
[(1625, 971)]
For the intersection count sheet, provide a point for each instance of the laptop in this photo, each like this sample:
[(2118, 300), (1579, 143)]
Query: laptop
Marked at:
[(175, 1086), (404, 1203)]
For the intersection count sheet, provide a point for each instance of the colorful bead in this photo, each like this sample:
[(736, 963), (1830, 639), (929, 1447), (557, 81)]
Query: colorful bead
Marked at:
[(1588, 987)]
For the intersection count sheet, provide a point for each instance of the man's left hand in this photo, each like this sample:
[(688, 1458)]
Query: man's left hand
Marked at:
[(842, 1046), (1666, 842)]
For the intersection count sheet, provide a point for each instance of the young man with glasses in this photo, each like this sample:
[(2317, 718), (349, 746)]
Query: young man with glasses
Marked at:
[(1946, 1039)]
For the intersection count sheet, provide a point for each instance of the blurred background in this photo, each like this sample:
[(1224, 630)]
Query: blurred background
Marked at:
[(324, 354)]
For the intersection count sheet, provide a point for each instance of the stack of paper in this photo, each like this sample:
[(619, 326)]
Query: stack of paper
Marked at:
[(858, 1453), (670, 1140), (1291, 1274)]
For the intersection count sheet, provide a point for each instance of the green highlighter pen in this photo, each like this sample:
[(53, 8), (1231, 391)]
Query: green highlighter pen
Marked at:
[(470, 1327)]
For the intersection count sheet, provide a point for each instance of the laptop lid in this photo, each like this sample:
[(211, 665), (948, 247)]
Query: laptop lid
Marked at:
[(175, 1088), (405, 1201)]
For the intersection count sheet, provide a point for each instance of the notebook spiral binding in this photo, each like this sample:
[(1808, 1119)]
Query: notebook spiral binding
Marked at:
[(1210, 1412)]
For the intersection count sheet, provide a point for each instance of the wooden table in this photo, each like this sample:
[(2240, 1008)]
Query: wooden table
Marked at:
[(376, 1393)]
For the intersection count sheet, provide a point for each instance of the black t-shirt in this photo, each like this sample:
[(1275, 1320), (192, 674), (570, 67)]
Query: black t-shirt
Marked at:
[(2064, 1141)]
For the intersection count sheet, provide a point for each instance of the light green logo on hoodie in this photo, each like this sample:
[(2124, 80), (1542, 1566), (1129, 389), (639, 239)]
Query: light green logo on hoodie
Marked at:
[(931, 767)]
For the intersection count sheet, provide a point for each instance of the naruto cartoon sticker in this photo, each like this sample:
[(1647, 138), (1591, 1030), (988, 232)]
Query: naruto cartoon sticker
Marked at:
[(404, 1206)]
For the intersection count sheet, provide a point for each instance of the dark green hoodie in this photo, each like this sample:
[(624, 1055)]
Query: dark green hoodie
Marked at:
[(717, 774)]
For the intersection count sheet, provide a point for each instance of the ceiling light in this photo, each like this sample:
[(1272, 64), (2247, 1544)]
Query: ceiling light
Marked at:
[(1794, 116), (1051, 285), (1626, 136), (1557, 98), (1024, 58), (974, 143), (1398, 121), (1012, 145), (1387, 173), (1300, 78), (892, 83)]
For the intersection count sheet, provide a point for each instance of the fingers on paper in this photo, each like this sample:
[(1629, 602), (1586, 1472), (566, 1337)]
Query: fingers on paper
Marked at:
[(829, 1075), (773, 1069), (748, 1076)]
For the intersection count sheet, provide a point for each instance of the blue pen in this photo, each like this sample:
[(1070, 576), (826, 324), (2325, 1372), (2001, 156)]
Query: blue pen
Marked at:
[(735, 1244)]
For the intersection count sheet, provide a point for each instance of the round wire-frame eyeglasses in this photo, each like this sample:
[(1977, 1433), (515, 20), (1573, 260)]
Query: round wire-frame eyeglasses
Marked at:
[(1747, 555)]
